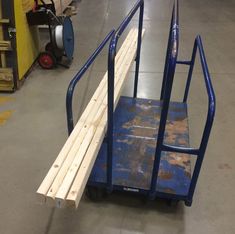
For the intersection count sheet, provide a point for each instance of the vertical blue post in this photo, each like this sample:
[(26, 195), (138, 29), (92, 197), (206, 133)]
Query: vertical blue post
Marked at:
[(162, 126), (111, 74), (166, 59), (169, 72), (138, 49), (190, 72)]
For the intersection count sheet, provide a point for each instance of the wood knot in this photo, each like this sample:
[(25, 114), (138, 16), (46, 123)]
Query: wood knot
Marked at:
[(73, 193)]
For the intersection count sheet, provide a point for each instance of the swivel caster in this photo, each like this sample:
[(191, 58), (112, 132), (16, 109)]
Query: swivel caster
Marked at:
[(46, 60), (95, 194)]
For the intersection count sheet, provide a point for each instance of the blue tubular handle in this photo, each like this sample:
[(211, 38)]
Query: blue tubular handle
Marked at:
[(209, 120), (200, 152), (78, 76), (111, 74), (173, 25), (211, 106), (209, 87), (126, 21)]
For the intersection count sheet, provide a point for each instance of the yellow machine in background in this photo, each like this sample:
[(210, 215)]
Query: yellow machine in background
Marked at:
[(22, 41), (26, 37)]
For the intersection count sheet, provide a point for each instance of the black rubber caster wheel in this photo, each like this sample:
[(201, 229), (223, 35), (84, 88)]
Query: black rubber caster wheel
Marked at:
[(57, 53), (188, 203), (46, 60), (95, 194), (172, 202)]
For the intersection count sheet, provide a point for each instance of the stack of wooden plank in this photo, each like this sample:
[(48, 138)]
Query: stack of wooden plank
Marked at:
[(60, 5), (6, 74), (5, 45), (66, 180)]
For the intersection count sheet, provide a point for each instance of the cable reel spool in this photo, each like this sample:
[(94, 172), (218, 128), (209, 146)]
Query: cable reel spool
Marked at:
[(63, 37)]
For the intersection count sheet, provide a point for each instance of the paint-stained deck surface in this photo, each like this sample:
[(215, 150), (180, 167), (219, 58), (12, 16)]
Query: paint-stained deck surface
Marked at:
[(135, 134)]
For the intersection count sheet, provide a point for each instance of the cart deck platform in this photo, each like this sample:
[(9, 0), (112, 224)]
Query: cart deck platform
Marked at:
[(136, 123)]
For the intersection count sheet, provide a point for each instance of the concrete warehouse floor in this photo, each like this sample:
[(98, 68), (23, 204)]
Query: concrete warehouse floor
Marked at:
[(35, 129)]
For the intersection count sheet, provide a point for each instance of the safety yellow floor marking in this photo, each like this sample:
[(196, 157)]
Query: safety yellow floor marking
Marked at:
[(5, 99), (4, 116)]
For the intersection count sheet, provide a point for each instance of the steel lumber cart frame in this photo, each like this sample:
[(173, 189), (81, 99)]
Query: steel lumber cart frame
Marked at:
[(159, 174)]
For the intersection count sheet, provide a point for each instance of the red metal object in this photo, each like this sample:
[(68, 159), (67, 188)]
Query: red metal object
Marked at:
[(46, 60)]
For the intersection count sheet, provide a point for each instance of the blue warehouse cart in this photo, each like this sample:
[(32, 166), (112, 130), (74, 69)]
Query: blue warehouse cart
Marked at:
[(146, 149)]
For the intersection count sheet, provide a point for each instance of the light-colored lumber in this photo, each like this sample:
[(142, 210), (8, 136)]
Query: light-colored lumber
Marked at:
[(60, 5), (5, 70), (70, 10), (65, 4), (4, 21), (67, 182), (80, 145), (48, 180), (6, 74), (64, 188), (80, 181), (3, 59), (5, 45), (88, 141), (81, 178), (71, 140), (83, 141)]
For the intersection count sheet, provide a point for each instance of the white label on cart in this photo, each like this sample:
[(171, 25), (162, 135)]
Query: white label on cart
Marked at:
[(131, 190)]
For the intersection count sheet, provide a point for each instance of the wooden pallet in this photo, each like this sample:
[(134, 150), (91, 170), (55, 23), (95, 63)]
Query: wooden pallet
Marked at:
[(66, 180), (6, 74), (70, 10)]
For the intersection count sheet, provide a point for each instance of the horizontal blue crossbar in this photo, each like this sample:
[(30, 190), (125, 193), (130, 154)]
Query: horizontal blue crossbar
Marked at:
[(184, 62)]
